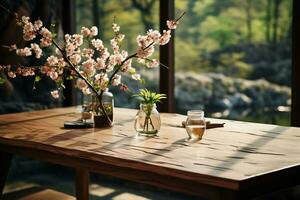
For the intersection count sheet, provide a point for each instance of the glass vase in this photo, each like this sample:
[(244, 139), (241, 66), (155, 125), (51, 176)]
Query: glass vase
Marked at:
[(147, 120), (100, 120)]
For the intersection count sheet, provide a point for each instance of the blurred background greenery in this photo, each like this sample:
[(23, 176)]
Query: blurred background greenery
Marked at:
[(232, 57)]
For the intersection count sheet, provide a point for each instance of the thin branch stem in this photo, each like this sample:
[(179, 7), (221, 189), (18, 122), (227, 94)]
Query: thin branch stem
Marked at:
[(99, 97)]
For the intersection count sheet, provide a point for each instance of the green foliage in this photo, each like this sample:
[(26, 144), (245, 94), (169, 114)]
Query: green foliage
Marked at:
[(37, 79), (148, 97), (2, 81)]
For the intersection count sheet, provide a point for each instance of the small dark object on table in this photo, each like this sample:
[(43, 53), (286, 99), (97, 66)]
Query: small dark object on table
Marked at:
[(78, 124)]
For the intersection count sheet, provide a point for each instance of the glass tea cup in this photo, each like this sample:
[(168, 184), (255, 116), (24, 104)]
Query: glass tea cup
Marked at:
[(195, 125)]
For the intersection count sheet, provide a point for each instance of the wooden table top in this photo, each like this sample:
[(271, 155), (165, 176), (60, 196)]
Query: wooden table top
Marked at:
[(234, 153)]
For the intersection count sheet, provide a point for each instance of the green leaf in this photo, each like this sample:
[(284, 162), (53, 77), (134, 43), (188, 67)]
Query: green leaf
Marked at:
[(2, 81), (37, 78), (69, 78)]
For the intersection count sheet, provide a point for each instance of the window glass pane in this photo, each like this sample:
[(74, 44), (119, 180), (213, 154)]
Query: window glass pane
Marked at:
[(233, 59), (135, 18)]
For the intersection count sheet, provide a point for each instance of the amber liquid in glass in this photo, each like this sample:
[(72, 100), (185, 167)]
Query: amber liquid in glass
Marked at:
[(195, 132)]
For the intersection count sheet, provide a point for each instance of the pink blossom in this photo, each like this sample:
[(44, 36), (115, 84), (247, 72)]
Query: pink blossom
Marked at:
[(53, 75), (100, 64), (101, 80), (144, 53), (81, 83), (126, 66), (52, 61), (38, 24), (61, 62), (69, 48), (45, 42), (78, 40), (94, 31), (105, 54), (98, 44), (37, 50), (75, 59), (46, 33), (116, 80), (28, 31), (123, 87), (154, 35), (45, 69), (87, 52), (114, 45), (172, 24), (24, 52), (153, 64), (55, 94), (88, 67), (11, 74), (85, 32), (165, 38), (86, 91), (25, 19)]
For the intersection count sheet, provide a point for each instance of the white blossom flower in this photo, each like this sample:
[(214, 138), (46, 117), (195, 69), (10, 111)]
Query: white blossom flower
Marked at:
[(81, 83), (24, 52), (87, 52), (75, 59), (86, 91), (144, 53), (100, 64), (11, 74), (101, 80), (98, 44), (165, 38), (126, 66), (94, 31), (154, 35), (38, 24), (136, 76), (172, 24), (85, 32), (37, 50), (53, 75), (46, 33), (55, 94), (153, 64), (88, 67), (115, 27), (52, 61), (116, 80)]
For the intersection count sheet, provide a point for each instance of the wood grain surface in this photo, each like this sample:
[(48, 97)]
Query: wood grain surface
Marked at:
[(226, 157)]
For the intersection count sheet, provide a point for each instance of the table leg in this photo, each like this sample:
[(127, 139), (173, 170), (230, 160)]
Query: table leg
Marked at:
[(5, 160), (82, 184)]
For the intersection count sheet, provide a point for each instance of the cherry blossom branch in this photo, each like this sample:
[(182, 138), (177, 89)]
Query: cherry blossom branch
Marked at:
[(99, 97)]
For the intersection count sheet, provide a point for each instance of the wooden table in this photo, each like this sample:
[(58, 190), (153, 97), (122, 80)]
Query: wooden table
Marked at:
[(238, 161)]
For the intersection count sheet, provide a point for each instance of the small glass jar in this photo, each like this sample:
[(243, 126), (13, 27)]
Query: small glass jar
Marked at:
[(87, 109), (147, 120), (195, 125)]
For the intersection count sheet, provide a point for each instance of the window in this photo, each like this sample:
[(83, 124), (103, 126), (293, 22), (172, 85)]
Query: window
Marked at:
[(233, 59), (135, 18)]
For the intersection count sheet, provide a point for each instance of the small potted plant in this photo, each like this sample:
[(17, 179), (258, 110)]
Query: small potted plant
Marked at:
[(147, 121)]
